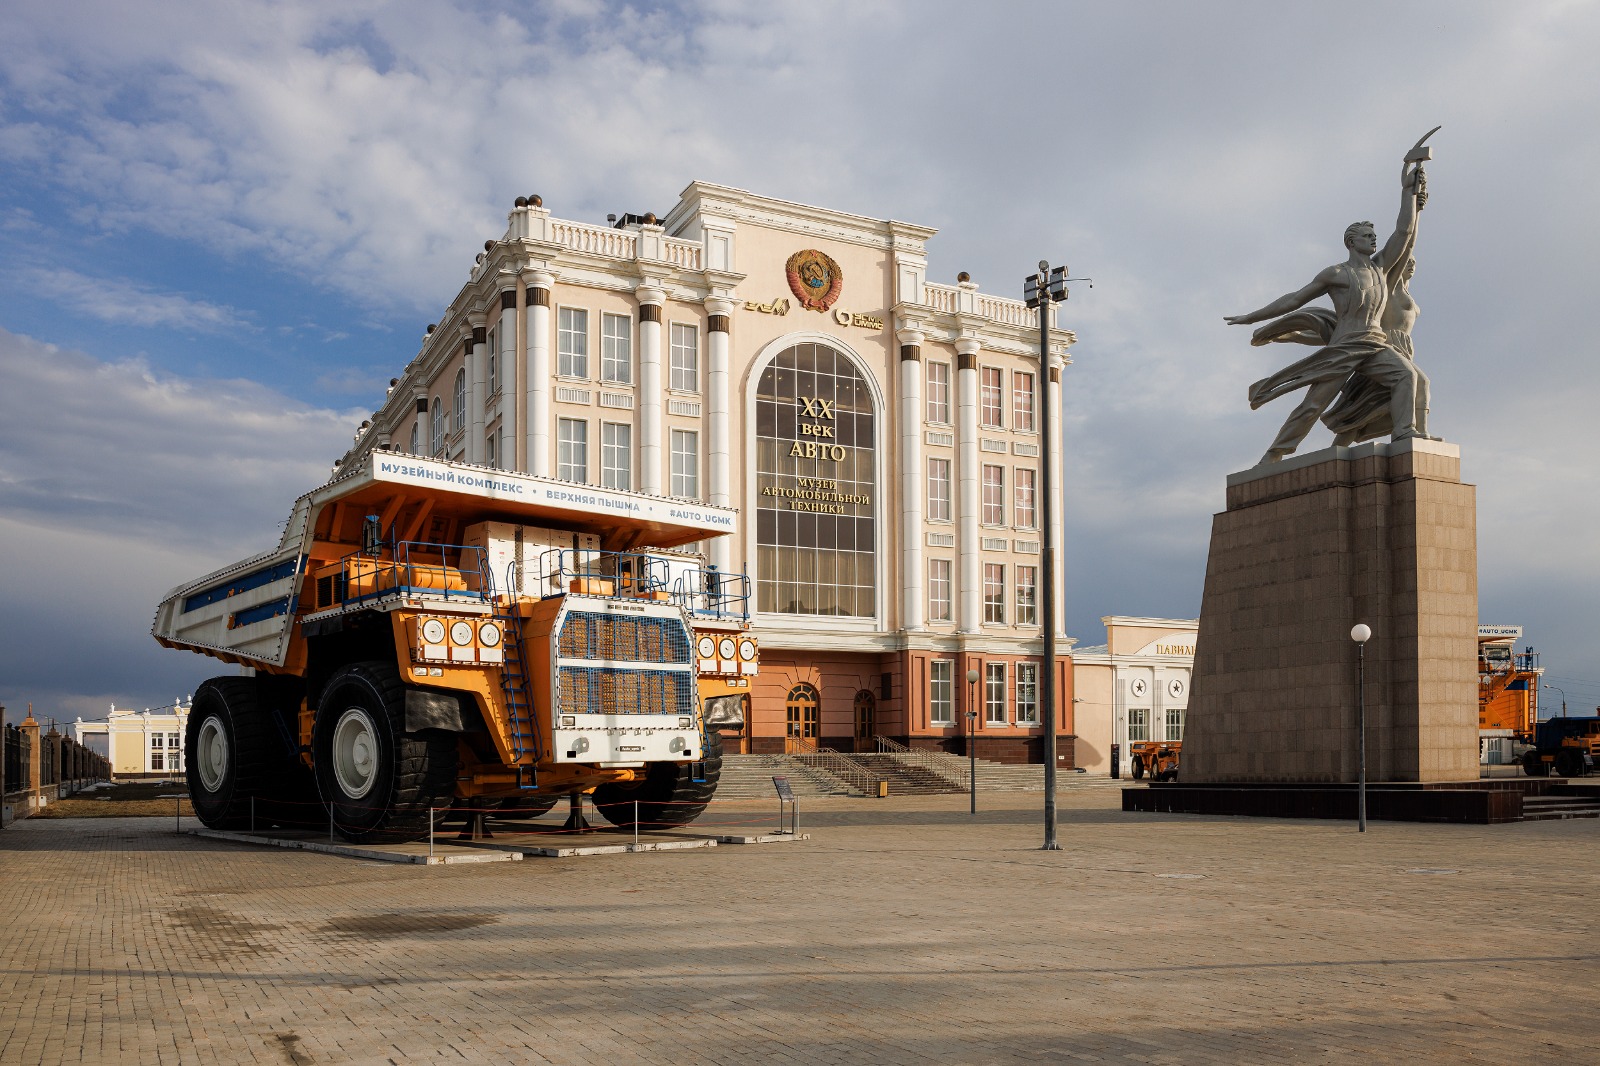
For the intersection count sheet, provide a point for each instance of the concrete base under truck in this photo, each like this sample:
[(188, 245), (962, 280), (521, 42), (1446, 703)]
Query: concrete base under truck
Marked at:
[(549, 628)]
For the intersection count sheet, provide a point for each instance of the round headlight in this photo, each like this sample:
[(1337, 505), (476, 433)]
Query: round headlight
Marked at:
[(461, 633), (489, 634), (708, 647), (433, 631), (725, 649), (747, 650)]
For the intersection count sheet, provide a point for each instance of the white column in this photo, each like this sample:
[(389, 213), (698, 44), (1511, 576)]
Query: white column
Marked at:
[(539, 285), (477, 385), (912, 480), (652, 391), (719, 415), (1057, 534), (469, 398), (967, 498), (509, 348)]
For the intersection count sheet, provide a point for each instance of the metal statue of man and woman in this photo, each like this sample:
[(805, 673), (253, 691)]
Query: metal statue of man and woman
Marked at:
[(1363, 380)]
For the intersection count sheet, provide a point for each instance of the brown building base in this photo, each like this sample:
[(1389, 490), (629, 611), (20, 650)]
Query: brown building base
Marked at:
[(1476, 802)]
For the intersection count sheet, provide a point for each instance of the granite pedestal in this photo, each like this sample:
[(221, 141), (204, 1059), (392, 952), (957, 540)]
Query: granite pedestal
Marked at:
[(1384, 534)]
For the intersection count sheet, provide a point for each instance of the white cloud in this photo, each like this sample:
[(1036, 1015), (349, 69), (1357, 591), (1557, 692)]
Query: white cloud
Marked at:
[(116, 483), (124, 301)]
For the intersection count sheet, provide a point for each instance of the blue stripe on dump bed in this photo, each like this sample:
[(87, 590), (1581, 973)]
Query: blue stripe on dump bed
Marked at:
[(261, 612), (245, 583)]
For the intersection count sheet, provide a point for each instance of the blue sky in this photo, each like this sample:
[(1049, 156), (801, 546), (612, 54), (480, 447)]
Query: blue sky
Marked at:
[(223, 227)]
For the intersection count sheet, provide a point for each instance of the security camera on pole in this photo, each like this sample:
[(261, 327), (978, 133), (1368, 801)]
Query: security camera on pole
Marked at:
[(1042, 291)]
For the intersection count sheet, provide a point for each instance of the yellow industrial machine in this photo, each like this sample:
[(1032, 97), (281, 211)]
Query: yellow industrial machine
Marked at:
[(1508, 694), (428, 633)]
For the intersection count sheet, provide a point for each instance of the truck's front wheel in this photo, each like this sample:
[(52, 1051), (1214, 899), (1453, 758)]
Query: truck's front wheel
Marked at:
[(669, 795), (380, 783), (1534, 766)]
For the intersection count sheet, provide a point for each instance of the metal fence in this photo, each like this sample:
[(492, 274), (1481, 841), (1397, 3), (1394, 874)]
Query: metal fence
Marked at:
[(64, 765)]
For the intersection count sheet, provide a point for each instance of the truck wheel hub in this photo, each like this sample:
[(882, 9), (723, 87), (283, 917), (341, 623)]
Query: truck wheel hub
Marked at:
[(355, 753), (212, 745)]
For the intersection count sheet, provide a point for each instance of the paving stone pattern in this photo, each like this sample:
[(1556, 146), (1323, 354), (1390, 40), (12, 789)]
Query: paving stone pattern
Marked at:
[(903, 931)]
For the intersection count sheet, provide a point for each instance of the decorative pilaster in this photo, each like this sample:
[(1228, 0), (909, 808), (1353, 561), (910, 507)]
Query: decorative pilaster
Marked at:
[(510, 348), (470, 453), (912, 479), (1057, 535), (538, 284), (719, 428), (967, 498), (651, 391), (477, 385)]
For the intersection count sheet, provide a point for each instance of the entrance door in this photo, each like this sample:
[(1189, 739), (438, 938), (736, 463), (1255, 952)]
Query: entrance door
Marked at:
[(866, 721), (803, 718)]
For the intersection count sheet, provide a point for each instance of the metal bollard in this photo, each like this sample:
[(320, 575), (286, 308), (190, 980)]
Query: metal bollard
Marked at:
[(252, 814), (636, 825), (430, 832)]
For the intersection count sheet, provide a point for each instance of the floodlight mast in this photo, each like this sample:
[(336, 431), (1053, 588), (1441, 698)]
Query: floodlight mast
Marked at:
[(1042, 291)]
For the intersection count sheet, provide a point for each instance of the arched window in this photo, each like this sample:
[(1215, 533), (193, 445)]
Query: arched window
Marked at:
[(803, 711), (436, 434), (816, 483), (461, 400), (416, 428)]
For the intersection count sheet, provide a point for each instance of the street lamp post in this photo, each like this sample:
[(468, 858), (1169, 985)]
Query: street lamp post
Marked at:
[(1042, 291), (1361, 633), (1558, 688), (972, 734)]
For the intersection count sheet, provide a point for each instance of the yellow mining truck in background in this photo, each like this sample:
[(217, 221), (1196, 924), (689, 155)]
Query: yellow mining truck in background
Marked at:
[(429, 634)]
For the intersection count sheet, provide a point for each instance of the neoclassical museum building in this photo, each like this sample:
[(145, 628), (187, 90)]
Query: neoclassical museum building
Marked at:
[(878, 432)]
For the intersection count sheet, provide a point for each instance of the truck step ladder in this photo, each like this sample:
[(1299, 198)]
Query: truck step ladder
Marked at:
[(519, 707)]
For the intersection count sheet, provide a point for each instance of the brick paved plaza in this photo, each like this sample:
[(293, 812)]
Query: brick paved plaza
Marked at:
[(901, 932)]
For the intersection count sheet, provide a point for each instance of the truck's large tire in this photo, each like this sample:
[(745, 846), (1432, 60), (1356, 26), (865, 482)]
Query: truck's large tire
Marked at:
[(1569, 763), (1534, 766), (228, 753), (379, 782), (1137, 768), (669, 796)]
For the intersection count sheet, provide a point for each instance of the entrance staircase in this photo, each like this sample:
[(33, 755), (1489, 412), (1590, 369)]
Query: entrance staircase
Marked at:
[(1561, 801)]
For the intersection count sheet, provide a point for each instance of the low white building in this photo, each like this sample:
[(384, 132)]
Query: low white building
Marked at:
[(1133, 687), (147, 743)]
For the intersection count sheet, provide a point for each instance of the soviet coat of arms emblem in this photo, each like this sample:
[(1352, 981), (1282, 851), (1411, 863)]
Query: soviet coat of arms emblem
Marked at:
[(814, 278)]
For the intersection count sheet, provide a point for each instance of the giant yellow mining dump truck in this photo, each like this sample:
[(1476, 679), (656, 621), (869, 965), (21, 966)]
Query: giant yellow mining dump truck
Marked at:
[(429, 634)]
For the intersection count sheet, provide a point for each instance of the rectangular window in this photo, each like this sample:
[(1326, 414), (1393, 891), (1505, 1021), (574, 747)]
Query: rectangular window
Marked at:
[(494, 367), (939, 590), (1022, 401), (938, 490), (939, 393), (1138, 724), (1027, 693), (1026, 499), (158, 751), (686, 464), (572, 342), (994, 592), (616, 455), (491, 456), (1174, 723), (994, 693), (1027, 595), (991, 402), (994, 495), (941, 692), (572, 450), (685, 358), (616, 349)]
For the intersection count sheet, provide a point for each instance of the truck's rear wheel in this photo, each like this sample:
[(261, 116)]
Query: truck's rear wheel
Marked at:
[(227, 759), (1534, 766), (1569, 763), (379, 782), (669, 795)]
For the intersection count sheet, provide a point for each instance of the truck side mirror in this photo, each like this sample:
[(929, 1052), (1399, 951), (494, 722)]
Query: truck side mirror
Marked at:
[(372, 535)]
